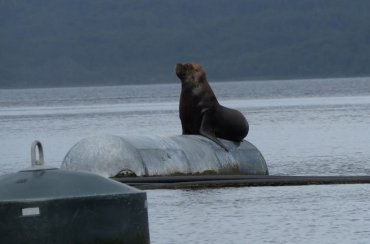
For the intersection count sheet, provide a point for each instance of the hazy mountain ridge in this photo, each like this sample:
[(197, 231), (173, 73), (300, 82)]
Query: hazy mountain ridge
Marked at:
[(92, 42)]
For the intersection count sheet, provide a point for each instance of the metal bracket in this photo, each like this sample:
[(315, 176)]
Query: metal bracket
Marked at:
[(40, 161), (37, 163)]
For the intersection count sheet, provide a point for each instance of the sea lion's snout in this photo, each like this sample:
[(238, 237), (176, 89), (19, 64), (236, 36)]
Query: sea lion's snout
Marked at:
[(179, 70)]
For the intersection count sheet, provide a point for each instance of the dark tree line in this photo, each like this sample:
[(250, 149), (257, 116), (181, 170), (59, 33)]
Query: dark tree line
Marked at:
[(94, 42)]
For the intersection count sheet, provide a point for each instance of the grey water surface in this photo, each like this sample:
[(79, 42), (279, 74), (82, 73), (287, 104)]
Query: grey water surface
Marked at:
[(302, 127)]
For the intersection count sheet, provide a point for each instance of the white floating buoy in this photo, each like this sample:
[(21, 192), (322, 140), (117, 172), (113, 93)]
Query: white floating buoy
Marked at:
[(112, 156)]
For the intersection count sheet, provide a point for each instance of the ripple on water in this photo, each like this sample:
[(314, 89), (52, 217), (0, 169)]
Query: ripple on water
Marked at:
[(291, 214)]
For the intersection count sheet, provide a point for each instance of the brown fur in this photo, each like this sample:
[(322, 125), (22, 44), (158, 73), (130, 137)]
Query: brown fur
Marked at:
[(200, 112)]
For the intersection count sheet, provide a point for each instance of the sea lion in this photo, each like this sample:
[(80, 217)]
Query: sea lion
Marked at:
[(200, 112)]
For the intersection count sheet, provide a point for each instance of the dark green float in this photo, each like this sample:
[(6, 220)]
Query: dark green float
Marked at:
[(48, 205)]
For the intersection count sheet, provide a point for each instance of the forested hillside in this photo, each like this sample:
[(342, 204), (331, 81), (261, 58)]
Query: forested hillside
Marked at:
[(95, 42)]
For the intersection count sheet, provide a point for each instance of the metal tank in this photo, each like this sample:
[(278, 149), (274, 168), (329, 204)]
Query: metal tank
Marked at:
[(49, 205), (115, 156)]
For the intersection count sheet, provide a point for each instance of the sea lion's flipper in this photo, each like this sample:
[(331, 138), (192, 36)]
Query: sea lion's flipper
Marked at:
[(185, 131), (206, 129)]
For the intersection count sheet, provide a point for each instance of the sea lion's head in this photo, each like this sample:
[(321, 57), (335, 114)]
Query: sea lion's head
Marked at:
[(190, 73)]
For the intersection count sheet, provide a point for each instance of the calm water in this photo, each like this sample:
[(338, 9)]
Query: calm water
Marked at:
[(302, 127)]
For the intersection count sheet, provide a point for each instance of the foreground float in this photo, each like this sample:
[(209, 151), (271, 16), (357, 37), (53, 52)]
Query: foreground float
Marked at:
[(50, 205)]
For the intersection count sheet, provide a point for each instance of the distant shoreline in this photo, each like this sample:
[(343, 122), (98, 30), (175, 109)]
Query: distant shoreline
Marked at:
[(175, 82), (83, 43)]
